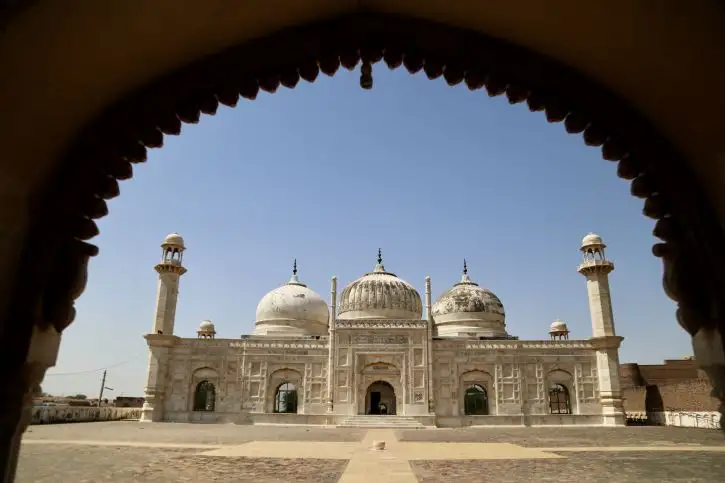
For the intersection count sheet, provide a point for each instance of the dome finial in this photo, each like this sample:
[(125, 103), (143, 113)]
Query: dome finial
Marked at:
[(293, 279), (380, 256), (465, 267)]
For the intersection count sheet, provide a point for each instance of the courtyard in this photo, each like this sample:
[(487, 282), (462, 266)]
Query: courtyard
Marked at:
[(129, 451)]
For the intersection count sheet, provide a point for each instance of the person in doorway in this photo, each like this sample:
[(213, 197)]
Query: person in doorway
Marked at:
[(382, 408)]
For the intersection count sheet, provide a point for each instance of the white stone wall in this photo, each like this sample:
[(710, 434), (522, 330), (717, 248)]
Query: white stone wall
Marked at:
[(81, 414), (683, 419), (516, 375), (247, 372)]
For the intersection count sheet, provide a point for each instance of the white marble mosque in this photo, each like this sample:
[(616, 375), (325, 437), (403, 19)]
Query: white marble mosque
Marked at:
[(374, 356)]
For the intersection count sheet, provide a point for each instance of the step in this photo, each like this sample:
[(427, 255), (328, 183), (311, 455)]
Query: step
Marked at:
[(380, 422)]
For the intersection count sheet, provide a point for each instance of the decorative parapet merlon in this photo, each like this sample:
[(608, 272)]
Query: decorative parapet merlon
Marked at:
[(514, 344), (280, 344), (381, 324)]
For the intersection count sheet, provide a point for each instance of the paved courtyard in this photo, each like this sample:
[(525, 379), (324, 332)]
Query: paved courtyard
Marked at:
[(138, 452)]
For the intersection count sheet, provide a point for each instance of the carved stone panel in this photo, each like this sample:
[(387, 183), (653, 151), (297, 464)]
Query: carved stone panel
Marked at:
[(417, 357), (379, 339)]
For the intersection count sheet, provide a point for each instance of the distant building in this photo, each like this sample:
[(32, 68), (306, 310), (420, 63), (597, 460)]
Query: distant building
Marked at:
[(675, 385), (372, 352), (128, 402)]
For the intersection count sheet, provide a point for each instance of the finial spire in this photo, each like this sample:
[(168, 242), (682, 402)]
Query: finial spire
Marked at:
[(294, 267), (380, 256), (465, 267)]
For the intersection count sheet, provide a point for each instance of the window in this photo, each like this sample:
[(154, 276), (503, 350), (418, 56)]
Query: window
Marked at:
[(285, 400), (204, 397), (559, 402), (475, 401)]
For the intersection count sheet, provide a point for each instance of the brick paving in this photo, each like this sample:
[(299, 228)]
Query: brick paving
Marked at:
[(612, 467), (92, 452), (563, 437)]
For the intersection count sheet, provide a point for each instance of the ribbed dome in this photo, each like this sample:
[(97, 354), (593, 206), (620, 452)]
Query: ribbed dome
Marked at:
[(292, 310), (467, 310), (380, 295)]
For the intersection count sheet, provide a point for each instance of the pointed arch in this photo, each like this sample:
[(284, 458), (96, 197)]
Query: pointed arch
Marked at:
[(205, 396)]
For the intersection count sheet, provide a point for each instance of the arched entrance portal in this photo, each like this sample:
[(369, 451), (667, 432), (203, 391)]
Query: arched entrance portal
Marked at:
[(475, 401), (380, 399)]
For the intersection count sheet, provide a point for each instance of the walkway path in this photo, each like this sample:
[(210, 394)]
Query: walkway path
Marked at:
[(321, 455)]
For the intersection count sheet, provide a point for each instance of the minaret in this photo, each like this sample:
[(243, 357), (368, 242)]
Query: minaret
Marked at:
[(596, 268), (161, 339), (170, 271)]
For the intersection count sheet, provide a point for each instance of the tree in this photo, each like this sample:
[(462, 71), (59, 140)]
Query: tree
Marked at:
[(79, 396)]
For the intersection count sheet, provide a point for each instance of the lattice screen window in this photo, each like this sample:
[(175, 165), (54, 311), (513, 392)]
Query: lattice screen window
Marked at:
[(316, 392), (587, 382), (508, 383), (534, 383)]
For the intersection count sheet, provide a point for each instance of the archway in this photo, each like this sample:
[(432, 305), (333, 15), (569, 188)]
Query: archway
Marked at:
[(380, 399), (50, 275), (204, 396), (285, 398), (475, 401), (559, 400)]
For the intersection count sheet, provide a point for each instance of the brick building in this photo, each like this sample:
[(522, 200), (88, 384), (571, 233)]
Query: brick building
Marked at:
[(675, 385)]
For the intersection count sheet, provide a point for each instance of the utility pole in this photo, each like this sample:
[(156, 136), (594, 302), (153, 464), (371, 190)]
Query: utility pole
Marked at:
[(103, 384)]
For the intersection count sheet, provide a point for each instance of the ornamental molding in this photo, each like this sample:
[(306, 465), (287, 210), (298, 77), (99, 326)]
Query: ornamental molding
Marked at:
[(380, 324), (514, 345), (258, 344)]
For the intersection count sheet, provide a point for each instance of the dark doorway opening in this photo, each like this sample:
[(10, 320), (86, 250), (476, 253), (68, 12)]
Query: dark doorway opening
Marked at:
[(380, 399)]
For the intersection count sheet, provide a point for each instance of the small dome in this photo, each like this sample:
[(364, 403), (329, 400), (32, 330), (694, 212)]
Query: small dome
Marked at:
[(206, 325), (467, 310), (292, 310), (380, 295), (592, 239), (173, 239), (558, 326)]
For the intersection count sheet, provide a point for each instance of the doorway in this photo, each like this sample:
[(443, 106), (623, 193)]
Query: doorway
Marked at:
[(380, 399)]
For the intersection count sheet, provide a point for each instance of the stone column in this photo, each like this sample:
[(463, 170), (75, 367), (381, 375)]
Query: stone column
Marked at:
[(155, 390), (707, 345), (331, 346), (610, 392), (429, 347), (19, 388)]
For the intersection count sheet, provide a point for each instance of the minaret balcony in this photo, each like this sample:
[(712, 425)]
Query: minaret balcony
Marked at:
[(590, 264)]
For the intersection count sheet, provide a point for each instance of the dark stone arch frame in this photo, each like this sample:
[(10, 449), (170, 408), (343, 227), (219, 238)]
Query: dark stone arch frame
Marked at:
[(50, 277)]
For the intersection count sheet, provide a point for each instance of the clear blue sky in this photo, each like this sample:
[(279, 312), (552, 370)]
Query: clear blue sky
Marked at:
[(327, 173)]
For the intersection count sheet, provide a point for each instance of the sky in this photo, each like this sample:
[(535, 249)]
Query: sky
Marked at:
[(328, 173)]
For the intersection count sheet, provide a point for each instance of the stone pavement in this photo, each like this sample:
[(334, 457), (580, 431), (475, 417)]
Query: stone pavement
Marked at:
[(138, 452)]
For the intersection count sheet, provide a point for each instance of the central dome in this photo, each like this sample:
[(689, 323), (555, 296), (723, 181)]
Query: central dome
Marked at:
[(380, 295)]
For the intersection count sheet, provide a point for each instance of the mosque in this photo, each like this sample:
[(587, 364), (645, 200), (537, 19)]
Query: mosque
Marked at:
[(375, 357)]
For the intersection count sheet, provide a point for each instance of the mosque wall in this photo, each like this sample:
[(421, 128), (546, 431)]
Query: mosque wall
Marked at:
[(267, 365), (516, 377)]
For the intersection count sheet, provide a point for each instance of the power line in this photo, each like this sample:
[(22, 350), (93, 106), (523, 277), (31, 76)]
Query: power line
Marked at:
[(91, 371)]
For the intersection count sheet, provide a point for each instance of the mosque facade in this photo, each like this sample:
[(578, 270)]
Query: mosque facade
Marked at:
[(380, 354)]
